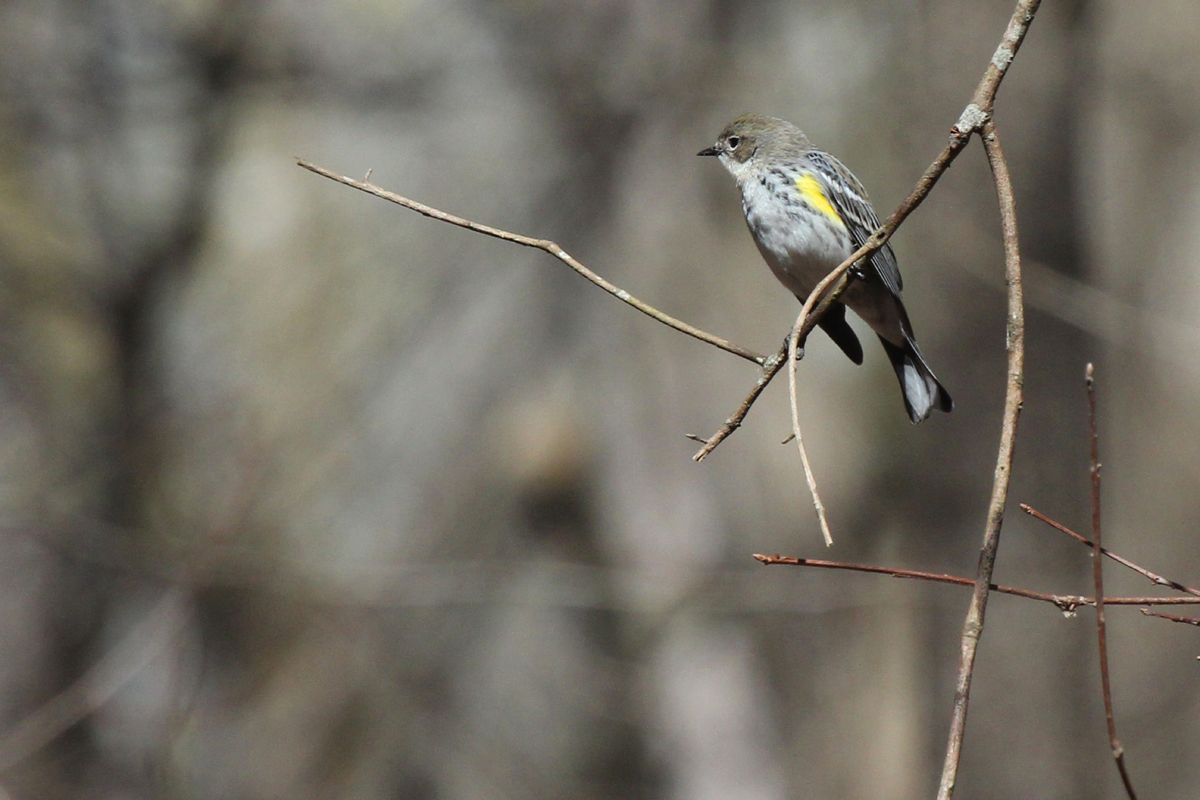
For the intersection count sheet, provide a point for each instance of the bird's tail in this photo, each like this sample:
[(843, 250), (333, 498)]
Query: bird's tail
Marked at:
[(921, 388)]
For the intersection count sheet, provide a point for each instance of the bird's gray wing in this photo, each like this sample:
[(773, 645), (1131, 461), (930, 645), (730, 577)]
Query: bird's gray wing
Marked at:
[(849, 198)]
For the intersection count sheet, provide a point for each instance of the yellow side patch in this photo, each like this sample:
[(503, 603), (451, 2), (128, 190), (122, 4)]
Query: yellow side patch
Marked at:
[(810, 190)]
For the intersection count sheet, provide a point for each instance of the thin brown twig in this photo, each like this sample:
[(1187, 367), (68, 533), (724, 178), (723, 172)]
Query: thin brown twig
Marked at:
[(793, 345), (1098, 579), (1013, 397), (544, 245), (977, 116), (1065, 602), (1151, 601), (1152, 577), (770, 368), (809, 477), (842, 276), (1172, 617)]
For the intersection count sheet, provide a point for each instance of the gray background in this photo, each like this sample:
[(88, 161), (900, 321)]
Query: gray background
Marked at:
[(428, 495)]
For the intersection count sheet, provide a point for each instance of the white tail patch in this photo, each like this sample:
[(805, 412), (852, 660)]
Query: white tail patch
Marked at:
[(918, 390)]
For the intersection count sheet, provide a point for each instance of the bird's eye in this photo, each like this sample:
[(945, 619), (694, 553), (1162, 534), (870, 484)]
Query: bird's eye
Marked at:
[(733, 142)]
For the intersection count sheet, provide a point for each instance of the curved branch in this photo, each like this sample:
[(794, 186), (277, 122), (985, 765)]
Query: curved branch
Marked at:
[(1013, 397), (544, 245), (772, 365)]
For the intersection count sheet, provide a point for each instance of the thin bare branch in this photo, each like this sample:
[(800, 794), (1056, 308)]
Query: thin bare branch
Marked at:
[(770, 368), (544, 245), (809, 477), (1065, 602), (1098, 579), (1152, 577), (793, 345), (1013, 397), (1006, 51), (1172, 617)]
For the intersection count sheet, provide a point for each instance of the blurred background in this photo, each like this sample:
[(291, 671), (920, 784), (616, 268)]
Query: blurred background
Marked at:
[(305, 495)]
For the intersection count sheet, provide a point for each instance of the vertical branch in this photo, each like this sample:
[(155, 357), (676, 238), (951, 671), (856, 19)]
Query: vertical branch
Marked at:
[(1015, 338), (1098, 578)]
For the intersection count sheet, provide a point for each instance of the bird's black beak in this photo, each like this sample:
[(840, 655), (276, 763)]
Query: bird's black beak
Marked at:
[(710, 151)]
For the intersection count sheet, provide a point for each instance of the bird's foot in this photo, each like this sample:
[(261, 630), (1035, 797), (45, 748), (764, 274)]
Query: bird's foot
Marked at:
[(799, 347)]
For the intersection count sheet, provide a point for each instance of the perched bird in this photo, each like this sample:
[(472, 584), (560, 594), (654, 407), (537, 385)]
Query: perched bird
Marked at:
[(807, 214)]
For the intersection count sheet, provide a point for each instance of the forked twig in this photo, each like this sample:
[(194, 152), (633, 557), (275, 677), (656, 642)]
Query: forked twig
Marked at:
[(772, 365), (1067, 603), (1152, 577)]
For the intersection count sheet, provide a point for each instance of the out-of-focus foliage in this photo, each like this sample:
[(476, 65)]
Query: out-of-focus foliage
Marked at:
[(427, 495)]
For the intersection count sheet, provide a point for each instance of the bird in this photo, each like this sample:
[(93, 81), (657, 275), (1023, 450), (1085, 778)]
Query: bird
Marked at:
[(808, 213)]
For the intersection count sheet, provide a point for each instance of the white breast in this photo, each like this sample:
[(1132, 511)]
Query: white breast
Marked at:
[(798, 252)]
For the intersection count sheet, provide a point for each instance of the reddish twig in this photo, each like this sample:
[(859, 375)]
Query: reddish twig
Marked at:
[(1152, 577), (1172, 617), (1068, 603), (544, 245), (1098, 578)]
